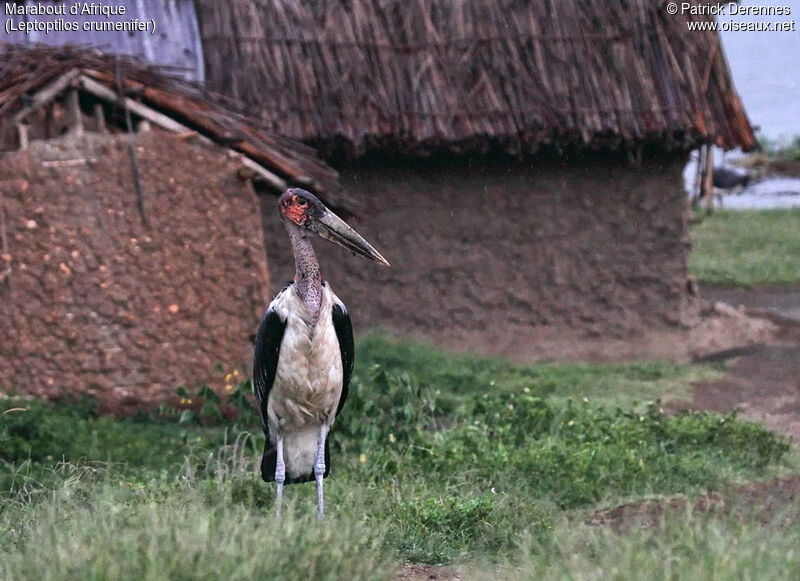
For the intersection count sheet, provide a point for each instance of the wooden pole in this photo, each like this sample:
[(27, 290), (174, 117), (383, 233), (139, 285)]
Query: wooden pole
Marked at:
[(168, 123), (5, 255), (48, 94), (702, 179), (74, 112), (159, 119), (22, 133), (137, 181), (698, 177), (99, 118), (708, 180)]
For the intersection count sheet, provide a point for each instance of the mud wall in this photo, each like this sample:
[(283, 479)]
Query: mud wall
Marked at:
[(96, 303), (552, 259)]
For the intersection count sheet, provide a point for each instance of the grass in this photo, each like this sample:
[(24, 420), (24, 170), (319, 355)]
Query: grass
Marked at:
[(747, 247), (437, 459), (95, 524), (454, 376), (684, 547)]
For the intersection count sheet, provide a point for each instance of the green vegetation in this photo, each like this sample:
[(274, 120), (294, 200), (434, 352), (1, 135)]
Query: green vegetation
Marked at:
[(747, 248), (94, 523), (688, 546), (455, 376), (436, 459), (778, 150)]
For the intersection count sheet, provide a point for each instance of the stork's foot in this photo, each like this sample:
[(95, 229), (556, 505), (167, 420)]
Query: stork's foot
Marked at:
[(319, 469), (280, 476)]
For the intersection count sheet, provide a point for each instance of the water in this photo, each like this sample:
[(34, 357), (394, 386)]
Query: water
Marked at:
[(766, 72), (769, 194)]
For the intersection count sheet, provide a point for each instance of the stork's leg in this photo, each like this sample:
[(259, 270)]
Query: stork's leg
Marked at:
[(280, 475), (319, 467)]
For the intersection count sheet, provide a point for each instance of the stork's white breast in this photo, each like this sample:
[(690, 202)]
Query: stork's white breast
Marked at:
[(308, 379)]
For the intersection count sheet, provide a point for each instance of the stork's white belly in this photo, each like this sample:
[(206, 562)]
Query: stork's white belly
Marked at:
[(308, 379)]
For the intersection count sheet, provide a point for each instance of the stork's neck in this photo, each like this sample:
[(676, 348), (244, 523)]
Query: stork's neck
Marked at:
[(307, 279)]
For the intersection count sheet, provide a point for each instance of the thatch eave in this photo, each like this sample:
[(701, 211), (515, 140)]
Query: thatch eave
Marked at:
[(436, 75)]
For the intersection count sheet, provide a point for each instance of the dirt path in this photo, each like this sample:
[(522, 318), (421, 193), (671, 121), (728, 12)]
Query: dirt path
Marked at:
[(409, 572), (756, 501), (764, 381), (780, 300)]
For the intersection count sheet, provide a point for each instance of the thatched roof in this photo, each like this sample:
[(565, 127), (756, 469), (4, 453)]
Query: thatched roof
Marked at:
[(459, 75), (33, 78)]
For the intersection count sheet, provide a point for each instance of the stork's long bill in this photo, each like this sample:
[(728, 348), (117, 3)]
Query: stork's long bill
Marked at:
[(332, 228)]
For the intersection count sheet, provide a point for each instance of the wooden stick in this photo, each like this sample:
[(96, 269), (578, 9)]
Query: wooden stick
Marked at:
[(5, 255), (74, 112), (46, 95), (202, 118), (263, 173), (99, 118), (707, 186), (698, 177), (702, 170), (156, 118), (168, 123), (132, 149), (65, 162), (709, 180), (22, 132), (275, 158)]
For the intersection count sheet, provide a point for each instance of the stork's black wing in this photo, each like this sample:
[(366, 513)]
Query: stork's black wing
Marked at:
[(265, 358), (265, 363), (344, 332)]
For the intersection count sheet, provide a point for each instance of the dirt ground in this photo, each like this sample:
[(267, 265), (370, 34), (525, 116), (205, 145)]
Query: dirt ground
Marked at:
[(763, 383), (759, 501), (764, 379), (409, 572), (781, 300)]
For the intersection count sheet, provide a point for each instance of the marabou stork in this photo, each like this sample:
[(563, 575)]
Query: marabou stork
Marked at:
[(728, 178), (303, 357)]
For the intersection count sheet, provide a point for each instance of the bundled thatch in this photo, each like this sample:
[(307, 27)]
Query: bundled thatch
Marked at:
[(32, 78), (427, 75)]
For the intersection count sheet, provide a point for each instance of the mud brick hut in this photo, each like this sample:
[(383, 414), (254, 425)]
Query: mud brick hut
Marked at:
[(518, 162), (131, 262)]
